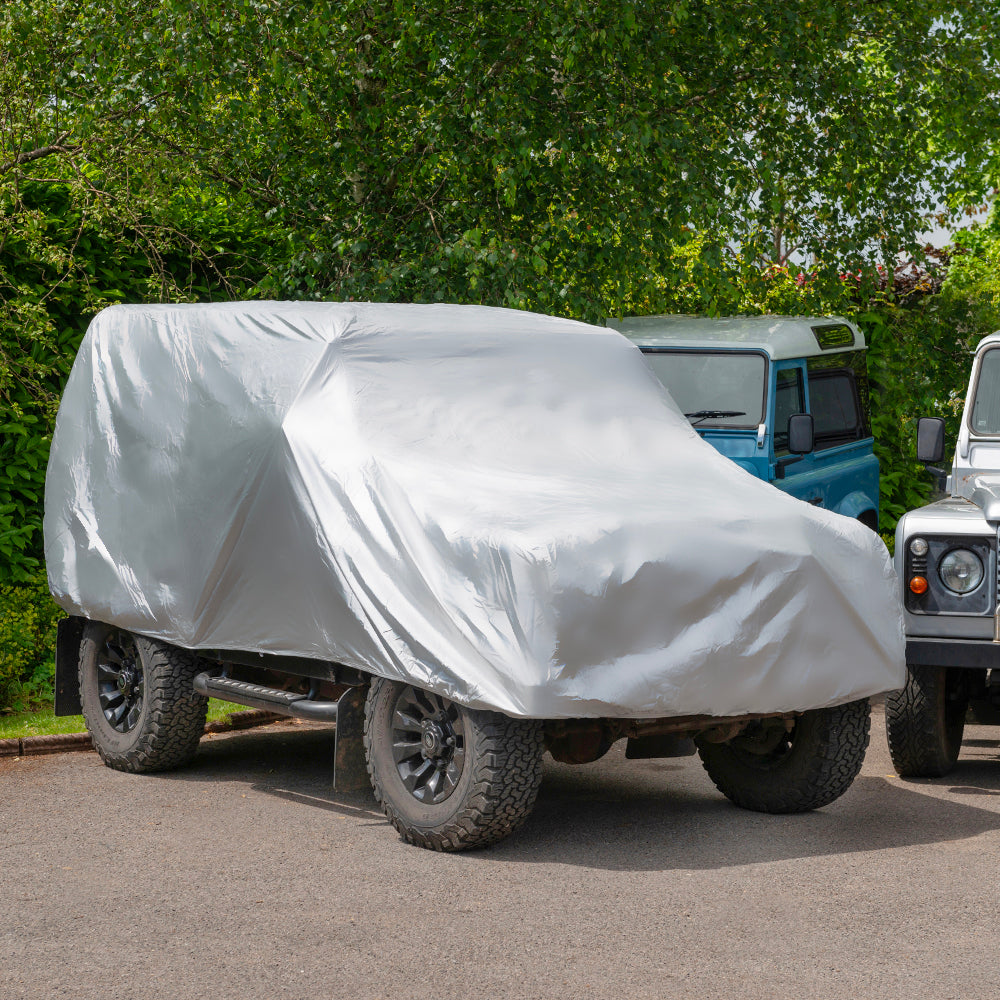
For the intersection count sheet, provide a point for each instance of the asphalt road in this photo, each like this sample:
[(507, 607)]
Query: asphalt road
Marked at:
[(244, 876)]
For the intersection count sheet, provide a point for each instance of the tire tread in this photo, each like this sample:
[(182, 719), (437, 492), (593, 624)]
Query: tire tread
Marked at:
[(174, 720), (507, 762), (815, 774), (916, 724)]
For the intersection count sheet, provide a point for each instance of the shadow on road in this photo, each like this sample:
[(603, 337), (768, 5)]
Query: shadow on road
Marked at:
[(614, 830), (636, 816), (292, 763)]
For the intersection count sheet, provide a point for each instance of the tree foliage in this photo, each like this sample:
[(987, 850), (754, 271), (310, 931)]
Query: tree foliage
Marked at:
[(920, 362), (542, 156), (547, 156), (90, 215)]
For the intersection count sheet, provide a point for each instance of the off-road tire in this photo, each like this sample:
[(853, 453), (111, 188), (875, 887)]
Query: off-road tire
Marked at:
[(924, 721), (494, 791), (169, 717), (810, 767)]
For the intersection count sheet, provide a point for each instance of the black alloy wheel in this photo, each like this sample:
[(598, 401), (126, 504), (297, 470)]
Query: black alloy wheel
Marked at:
[(449, 777), (138, 699), (428, 744), (120, 681), (779, 768)]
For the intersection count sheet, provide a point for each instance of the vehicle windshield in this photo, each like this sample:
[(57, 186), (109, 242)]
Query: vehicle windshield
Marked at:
[(985, 413), (714, 388)]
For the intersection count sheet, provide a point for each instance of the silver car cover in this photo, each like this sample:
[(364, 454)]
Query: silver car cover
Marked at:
[(504, 508)]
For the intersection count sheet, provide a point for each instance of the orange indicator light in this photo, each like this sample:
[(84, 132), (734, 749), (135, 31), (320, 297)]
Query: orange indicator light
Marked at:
[(918, 585)]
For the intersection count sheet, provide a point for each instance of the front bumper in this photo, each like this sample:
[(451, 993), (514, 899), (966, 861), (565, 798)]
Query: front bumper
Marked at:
[(981, 654)]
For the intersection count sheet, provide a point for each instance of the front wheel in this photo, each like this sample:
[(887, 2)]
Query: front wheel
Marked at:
[(449, 777), (925, 720), (138, 700), (776, 768)]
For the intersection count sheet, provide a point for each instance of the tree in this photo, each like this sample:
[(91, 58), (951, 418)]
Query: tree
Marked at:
[(549, 155), (543, 155)]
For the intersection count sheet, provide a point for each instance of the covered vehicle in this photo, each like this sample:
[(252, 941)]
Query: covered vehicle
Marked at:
[(497, 527)]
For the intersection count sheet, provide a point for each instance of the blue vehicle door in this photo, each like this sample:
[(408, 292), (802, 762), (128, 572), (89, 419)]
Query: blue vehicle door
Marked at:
[(841, 472)]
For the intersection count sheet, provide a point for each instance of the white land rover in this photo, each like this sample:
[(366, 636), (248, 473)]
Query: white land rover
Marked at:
[(946, 558)]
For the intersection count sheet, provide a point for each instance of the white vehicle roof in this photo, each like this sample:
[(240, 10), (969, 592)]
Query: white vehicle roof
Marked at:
[(779, 337), (991, 340)]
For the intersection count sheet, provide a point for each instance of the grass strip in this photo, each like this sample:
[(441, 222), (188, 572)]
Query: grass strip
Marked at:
[(45, 723)]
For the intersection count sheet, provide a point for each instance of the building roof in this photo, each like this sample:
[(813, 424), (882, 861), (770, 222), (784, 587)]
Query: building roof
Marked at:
[(779, 337)]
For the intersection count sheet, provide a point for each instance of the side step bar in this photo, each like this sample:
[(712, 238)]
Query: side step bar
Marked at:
[(350, 773), (299, 706)]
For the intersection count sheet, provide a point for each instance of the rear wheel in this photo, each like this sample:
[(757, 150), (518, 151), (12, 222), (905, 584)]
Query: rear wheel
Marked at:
[(138, 700), (771, 767), (449, 777), (925, 720)]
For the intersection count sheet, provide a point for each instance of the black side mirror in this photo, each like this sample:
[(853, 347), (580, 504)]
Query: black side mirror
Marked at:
[(801, 433), (930, 440)]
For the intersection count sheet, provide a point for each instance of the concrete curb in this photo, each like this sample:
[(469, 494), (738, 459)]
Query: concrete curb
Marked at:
[(54, 743), (29, 746)]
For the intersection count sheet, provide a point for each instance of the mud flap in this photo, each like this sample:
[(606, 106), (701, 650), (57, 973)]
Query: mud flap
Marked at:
[(68, 635), (349, 771)]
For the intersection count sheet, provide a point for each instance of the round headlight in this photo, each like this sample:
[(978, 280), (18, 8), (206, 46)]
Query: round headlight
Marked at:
[(918, 547), (961, 571)]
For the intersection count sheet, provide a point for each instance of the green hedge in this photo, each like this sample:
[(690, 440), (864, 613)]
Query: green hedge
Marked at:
[(65, 255), (921, 333), (28, 618), (920, 359)]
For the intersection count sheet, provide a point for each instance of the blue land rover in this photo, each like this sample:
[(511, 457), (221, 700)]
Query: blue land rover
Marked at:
[(784, 397)]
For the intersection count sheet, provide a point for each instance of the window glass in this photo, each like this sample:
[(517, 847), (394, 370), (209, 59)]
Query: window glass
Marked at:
[(985, 417), (787, 400), (833, 404), (717, 381), (855, 364)]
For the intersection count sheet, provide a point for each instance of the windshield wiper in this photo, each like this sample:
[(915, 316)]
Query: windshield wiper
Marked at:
[(699, 415)]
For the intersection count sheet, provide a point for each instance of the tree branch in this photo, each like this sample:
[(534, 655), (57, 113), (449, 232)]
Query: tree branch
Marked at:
[(40, 153)]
